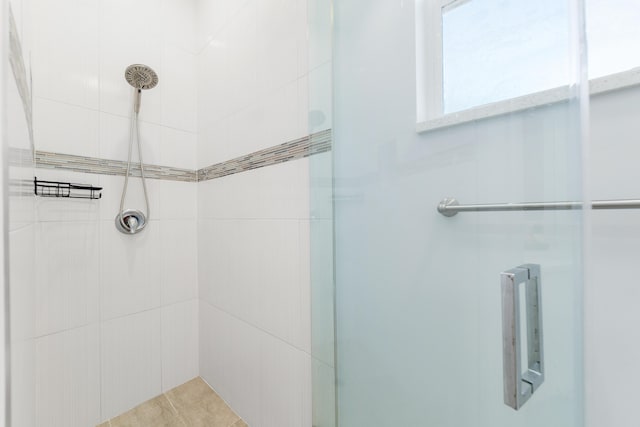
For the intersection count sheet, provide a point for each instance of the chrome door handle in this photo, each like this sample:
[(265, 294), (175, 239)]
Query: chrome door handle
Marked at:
[(519, 385)]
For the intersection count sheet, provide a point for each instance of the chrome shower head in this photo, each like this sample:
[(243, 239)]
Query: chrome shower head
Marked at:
[(141, 76)]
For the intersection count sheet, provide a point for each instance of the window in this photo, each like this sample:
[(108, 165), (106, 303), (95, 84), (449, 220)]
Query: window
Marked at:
[(478, 58), (613, 32)]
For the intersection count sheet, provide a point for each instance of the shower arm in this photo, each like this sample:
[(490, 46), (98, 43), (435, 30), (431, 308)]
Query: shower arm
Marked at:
[(450, 207)]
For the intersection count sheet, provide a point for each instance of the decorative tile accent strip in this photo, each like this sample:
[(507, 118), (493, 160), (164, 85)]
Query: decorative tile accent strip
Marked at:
[(47, 160), (16, 60), (298, 149), (316, 143)]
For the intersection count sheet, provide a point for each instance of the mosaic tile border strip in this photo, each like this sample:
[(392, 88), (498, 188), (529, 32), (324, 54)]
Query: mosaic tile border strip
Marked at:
[(69, 162), (316, 143), (16, 60)]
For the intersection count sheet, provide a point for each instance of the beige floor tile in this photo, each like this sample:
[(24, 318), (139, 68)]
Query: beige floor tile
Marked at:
[(104, 424), (156, 412), (199, 406), (240, 423)]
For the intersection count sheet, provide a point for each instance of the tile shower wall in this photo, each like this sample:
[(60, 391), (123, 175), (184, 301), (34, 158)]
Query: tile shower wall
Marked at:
[(253, 227), (116, 320)]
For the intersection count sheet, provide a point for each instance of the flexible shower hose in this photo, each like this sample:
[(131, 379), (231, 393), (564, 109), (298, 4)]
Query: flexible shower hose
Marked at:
[(134, 127)]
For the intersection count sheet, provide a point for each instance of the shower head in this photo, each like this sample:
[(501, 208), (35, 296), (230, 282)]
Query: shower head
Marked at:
[(141, 76)]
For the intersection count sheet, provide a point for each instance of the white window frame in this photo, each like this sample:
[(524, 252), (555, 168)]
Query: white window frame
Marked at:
[(429, 77)]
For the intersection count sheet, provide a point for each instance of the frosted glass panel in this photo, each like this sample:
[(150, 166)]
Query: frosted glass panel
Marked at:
[(500, 49), (418, 296)]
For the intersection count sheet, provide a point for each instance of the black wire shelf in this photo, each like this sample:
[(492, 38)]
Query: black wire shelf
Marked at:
[(66, 190)]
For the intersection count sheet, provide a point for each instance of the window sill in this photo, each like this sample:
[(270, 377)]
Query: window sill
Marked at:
[(552, 96)]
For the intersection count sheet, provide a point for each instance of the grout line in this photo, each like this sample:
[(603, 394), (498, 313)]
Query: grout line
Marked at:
[(102, 321), (294, 346), (223, 399), (121, 116)]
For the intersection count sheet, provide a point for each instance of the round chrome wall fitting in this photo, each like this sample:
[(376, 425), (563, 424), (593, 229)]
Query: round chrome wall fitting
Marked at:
[(445, 203), (130, 221)]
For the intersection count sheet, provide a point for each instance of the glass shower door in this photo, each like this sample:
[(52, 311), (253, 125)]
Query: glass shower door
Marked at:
[(476, 101)]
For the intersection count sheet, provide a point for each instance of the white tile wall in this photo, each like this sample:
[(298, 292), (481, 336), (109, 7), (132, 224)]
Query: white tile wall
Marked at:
[(178, 148), (253, 228), (21, 241), (92, 285), (114, 139), (22, 302), (283, 387), (179, 343), (179, 29), (177, 200), (66, 128), (79, 75), (21, 206), (67, 210), (252, 83), (130, 354), (23, 275), (23, 383), (67, 281), (84, 260), (179, 89), (213, 16), (133, 299), (251, 269), (111, 195), (65, 54), (277, 43), (213, 340), (259, 375), (130, 33), (179, 260), (129, 274), (277, 192), (68, 378)]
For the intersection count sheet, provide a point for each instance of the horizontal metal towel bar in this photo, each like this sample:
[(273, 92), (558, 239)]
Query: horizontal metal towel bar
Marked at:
[(451, 207)]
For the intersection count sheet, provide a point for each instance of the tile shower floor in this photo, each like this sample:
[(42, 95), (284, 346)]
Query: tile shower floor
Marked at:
[(193, 404)]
